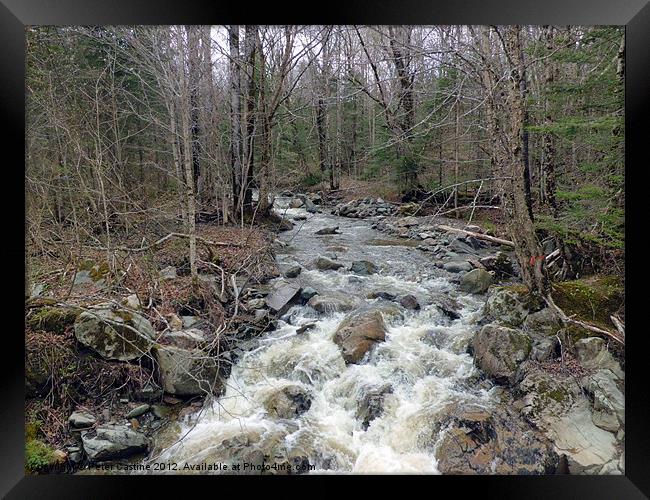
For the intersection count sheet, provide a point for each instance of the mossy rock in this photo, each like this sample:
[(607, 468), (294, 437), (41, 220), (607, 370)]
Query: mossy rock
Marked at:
[(113, 333), (592, 299), (53, 319)]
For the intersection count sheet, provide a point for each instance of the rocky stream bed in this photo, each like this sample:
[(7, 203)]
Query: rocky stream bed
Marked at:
[(394, 346)]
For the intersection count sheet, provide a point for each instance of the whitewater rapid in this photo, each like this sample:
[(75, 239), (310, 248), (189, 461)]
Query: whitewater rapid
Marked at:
[(423, 361)]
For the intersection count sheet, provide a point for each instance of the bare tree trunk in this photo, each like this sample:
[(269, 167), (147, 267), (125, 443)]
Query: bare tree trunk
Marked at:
[(517, 213), (235, 120), (250, 44), (186, 134)]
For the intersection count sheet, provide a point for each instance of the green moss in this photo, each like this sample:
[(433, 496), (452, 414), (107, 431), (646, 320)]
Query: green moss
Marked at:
[(38, 456), (52, 319), (592, 299)]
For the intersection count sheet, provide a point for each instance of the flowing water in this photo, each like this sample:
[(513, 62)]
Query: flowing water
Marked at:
[(423, 361)]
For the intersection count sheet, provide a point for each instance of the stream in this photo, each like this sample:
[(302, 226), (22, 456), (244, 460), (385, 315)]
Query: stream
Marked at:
[(421, 368)]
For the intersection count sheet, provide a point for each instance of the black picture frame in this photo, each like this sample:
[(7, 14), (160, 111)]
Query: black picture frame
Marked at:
[(634, 14)]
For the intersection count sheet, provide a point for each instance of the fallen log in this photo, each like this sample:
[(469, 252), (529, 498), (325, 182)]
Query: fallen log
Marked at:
[(478, 236)]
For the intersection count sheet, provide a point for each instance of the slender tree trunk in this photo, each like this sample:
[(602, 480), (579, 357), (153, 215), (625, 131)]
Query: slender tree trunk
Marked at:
[(235, 120), (186, 133)]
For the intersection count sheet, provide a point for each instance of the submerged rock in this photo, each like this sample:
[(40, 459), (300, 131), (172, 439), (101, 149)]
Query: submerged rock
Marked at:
[(409, 302), (457, 266), (499, 351), (325, 264), (111, 442), (328, 230), (363, 267), (307, 293), (371, 404), (115, 334), (292, 272), (329, 304), (358, 333), (289, 402)]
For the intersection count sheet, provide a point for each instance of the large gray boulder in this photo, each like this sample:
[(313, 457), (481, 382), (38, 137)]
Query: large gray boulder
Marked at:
[(608, 400), (111, 442), (477, 440), (545, 323), (358, 333), (499, 350), (557, 406), (114, 333), (187, 372), (506, 306), (593, 354), (81, 419), (476, 281)]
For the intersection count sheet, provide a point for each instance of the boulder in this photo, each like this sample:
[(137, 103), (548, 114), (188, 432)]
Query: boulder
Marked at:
[(113, 333), (328, 230), (111, 442), (289, 402), (492, 441), (457, 266), (499, 351), (307, 293), (358, 333), (409, 302), (82, 419), (382, 295), (255, 304), (296, 203), (281, 298), (545, 323), (499, 263), (328, 304), (557, 406), (592, 353), (325, 264), (187, 372), (187, 339), (507, 306), (476, 281), (363, 267), (449, 307), (138, 411), (293, 272), (459, 246), (371, 404), (608, 400)]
